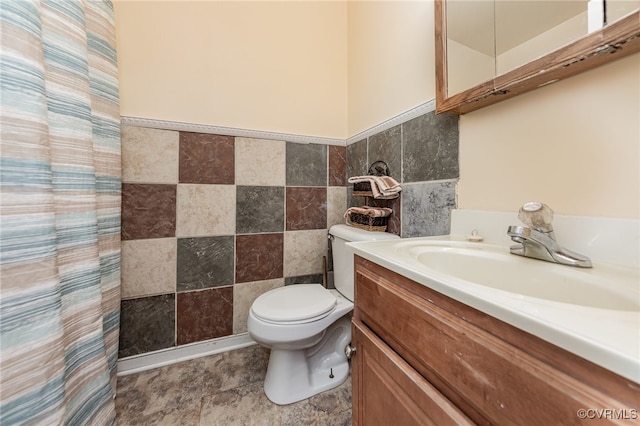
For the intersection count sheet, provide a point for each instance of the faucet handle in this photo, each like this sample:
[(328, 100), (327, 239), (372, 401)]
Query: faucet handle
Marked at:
[(537, 216)]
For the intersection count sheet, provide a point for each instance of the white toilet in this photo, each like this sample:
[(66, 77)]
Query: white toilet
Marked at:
[(307, 327)]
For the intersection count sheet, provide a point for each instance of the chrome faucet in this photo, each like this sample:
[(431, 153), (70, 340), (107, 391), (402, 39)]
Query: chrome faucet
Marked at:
[(536, 240)]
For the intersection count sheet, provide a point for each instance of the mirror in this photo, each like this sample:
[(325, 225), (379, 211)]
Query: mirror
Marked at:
[(488, 51)]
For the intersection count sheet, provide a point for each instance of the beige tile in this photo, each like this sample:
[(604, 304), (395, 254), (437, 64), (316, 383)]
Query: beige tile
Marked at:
[(149, 155), (336, 205), (243, 296), (205, 210), (260, 162), (148, 267), (303, 251)]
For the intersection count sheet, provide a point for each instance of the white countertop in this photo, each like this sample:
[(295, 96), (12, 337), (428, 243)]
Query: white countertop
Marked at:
[(607, 337)]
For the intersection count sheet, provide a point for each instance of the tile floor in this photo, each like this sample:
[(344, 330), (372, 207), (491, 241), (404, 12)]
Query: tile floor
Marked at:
[(222, 389)]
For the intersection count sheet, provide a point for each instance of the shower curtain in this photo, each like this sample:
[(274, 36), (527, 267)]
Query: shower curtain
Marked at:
[(60, 212)]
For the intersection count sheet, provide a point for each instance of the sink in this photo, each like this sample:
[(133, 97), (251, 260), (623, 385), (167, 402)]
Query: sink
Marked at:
[(493, 266)]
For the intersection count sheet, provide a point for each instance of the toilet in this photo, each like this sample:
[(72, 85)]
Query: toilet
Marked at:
[(308, 327)]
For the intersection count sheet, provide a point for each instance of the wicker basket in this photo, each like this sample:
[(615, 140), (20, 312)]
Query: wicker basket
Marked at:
[(368, 223), (362, 189)]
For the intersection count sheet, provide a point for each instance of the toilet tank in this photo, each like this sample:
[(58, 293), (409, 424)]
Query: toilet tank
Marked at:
[(343, 256)]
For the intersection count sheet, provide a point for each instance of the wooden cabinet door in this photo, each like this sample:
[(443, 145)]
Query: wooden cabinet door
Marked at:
[(387, 391)]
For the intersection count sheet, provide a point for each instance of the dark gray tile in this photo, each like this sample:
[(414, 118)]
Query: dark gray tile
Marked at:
[(426, 208), (259, 209), (306, 164), (387, 146), (205, 262), (304, 279), (147, 324), (430, 150), (357, 161)]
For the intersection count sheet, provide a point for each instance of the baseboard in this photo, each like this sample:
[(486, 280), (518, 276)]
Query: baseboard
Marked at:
[(151, 360)]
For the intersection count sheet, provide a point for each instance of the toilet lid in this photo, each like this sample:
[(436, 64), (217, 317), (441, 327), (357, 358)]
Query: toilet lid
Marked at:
[(294, 303)]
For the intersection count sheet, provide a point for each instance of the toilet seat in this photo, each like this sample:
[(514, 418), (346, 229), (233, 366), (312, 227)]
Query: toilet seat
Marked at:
[(294, 304)]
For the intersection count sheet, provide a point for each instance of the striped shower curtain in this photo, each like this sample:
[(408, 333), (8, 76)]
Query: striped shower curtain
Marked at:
[(60, 212)]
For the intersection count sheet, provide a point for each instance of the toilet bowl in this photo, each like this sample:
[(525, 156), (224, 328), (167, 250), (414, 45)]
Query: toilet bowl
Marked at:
[(307, 327)]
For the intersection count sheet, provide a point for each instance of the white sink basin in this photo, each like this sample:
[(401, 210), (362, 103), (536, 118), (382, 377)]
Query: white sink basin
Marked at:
[(604, 286)]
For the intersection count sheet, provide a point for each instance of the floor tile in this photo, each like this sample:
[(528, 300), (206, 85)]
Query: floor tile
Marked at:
[(222, 389)]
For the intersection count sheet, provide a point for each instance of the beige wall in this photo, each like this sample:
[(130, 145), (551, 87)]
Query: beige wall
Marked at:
[(573, 144), (282, 66), (267, 65), (391, 50)]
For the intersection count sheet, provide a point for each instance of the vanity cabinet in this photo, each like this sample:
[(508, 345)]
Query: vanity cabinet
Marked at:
[(423, 358)]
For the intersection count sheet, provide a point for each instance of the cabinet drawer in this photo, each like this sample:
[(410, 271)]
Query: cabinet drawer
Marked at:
[(389, 392), (490, 380)]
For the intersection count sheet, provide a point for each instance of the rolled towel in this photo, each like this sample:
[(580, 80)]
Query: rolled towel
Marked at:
[(369, 211), (382, 187)]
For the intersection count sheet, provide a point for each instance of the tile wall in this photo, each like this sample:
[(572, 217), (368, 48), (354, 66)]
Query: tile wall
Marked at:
[(422, 154), (211, 222)]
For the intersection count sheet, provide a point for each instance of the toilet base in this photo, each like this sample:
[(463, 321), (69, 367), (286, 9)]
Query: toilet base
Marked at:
[(294, 375)]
